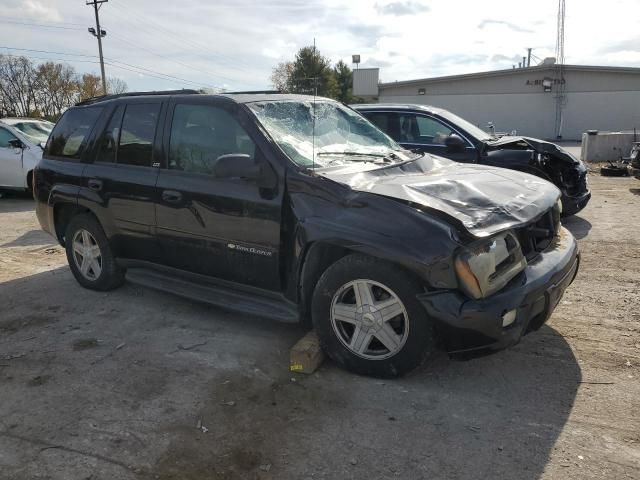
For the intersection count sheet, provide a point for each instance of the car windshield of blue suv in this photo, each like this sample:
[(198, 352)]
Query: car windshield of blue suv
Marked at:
[(326, 134)]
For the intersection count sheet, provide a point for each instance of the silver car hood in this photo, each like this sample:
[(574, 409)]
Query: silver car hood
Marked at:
[(485, 200)]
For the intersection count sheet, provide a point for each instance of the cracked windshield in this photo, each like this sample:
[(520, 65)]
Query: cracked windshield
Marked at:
[(326, 134)]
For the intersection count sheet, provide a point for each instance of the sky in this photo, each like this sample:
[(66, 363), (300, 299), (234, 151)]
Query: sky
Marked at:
[(234, 44)]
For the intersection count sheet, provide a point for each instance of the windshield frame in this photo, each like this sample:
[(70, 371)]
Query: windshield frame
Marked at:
[(385, 154)]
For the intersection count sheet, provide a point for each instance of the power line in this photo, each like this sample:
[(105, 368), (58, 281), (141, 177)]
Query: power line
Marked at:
[(39, 25), (112, 62), (174, 80), (49, 58), (122, 39), (14, 19), (181, 40), (156, 73), (47, 51)]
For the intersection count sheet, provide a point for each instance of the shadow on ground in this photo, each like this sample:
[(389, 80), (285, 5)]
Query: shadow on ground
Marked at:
[(172, 389), (16, 202), (31, 239), (578, 226)]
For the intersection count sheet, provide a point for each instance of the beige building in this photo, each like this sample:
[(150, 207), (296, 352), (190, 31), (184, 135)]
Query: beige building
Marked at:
[(542, 101)]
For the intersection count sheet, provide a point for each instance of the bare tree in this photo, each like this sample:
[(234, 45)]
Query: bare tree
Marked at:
[(17, 85), (57, 88), (89, 86), (47, 89), (280, 76), (116, 85)]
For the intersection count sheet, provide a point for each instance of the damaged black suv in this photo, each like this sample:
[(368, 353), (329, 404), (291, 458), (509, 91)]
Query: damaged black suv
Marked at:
[(439, 132), (296, 208)]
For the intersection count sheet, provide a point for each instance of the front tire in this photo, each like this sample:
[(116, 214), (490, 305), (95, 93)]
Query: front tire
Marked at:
[(89, 255), (368, 319)]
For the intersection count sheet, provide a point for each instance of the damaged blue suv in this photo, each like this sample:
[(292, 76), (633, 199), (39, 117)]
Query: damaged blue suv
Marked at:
[(299, 209)]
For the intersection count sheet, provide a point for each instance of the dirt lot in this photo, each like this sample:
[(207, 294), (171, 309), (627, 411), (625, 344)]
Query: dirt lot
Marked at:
[(115, 386)]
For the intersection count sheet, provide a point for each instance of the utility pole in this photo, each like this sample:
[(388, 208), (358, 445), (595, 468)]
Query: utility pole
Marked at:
[(561, 98), (99, 33)]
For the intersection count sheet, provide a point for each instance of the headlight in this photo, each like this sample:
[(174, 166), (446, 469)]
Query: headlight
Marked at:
[(487, 266)]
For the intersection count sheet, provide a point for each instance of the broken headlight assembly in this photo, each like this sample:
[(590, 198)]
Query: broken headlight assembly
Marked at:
[(485, 267)]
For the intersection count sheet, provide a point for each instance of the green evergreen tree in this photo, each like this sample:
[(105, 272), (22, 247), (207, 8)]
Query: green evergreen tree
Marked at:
[(344, 80), (312, 72)]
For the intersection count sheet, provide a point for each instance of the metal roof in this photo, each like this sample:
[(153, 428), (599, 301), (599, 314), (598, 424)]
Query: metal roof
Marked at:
[(396, 107), (511, 71), (236, 97)]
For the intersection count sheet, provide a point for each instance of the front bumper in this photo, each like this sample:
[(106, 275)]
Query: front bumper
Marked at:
[(573, 204), (465, 324)]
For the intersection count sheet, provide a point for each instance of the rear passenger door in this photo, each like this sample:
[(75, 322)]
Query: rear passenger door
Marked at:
[(120, 182), (227, 228)]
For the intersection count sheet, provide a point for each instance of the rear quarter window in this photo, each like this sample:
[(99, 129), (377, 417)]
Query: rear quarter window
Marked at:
[(70, 135)]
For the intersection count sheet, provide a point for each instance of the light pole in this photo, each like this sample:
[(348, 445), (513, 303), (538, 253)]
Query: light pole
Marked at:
[(99, 33)]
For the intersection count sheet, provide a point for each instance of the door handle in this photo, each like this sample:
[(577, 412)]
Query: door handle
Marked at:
[(171, 196), (95, 184)]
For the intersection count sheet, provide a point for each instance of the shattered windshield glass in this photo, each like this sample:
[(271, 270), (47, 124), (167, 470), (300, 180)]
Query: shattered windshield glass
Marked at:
[(324, 134)]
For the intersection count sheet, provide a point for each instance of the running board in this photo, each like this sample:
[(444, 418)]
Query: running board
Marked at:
[(220, 296)]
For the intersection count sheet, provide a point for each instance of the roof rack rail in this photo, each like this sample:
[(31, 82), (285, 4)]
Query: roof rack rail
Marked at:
[(102, 98), (255, 92)]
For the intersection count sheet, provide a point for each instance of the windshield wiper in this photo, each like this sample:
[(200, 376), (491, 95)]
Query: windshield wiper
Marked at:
[(387, 158)]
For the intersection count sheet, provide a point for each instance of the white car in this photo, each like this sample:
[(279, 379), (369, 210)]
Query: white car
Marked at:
[(21, 144)]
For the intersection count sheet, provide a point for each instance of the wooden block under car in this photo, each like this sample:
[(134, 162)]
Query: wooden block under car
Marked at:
[(306, 355)]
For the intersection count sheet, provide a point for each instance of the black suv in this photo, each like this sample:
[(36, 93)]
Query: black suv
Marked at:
[(296, 208), (439, 132)]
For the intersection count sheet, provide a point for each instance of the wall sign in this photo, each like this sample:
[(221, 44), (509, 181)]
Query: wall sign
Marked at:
[(541, 81)]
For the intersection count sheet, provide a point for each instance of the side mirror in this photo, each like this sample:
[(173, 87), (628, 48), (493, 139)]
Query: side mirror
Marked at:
[(15, 143), (454, 143), (236, 165)]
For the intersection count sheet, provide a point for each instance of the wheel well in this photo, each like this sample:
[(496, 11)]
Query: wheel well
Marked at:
[(62, 215), (318, 258)]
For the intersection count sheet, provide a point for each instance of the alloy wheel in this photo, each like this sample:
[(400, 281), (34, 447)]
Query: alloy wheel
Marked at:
[(369, 319), (87, 255)]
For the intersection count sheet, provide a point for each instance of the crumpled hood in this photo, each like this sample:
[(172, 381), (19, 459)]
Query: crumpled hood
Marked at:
[(484, 199), (540, 146)]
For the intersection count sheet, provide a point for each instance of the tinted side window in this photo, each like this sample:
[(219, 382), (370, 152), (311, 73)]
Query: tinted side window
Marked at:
[(108, 144), (422, 130), (200, 134), (5, 136), (433, 129), (138, 131), (389, 123), (70, 135)]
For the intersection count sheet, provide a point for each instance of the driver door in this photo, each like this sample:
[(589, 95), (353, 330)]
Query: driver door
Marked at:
[(227, 228), (11, 171), (421, 132)]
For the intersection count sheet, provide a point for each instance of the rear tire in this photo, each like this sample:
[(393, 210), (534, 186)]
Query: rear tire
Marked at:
[(89, 255), (368, 319)]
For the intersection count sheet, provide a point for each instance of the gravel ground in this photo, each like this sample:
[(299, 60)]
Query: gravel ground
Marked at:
[(136, 384)]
